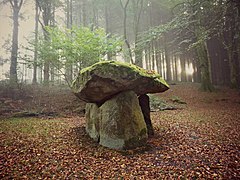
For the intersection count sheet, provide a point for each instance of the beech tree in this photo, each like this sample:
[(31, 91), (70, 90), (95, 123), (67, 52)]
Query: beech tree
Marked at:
[(78, 47), (184, 40), (124, 6), (36, 42), (16, 6), (47, 9), (229, 34), (137, 11), (188, 20)]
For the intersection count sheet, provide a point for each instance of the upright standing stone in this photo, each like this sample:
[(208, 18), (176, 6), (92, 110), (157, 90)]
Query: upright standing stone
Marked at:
[(145, 106), (92, 121), (122, 125)]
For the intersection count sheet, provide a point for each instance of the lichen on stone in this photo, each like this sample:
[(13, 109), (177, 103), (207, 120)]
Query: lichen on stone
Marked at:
[(101, 81), (128, 66)]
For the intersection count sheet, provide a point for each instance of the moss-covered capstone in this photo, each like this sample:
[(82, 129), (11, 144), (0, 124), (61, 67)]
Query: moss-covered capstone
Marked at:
[(103, 80)]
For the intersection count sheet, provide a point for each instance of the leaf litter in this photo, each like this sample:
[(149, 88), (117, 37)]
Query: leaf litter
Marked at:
[(199, 141)]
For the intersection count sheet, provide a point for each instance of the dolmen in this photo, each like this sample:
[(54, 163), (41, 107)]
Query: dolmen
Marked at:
[(117, 110)]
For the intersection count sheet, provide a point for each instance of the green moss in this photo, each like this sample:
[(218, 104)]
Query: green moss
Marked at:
[(31, 127), (143, 132), (131, 67), (178, 100), (137, 141)]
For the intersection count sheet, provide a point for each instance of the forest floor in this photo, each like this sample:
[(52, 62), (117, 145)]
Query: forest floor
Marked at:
[(198, 140)]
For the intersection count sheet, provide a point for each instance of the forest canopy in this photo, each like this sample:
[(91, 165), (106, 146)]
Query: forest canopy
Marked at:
[(182, 40), (78, 47)]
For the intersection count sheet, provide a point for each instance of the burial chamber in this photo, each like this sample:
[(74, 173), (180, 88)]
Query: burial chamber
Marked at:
[(117, 110)]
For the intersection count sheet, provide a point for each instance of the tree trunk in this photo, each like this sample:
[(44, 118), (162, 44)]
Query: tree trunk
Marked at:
[(203, 57), (158, 58), (233, 52), (107, 26), (167, 58), (46, 72), (137, 14), (36, 44), (95, 15), (230, 39), (47, 8), (84, 13), (149, 57), (233, 64), (124, 7), (138, 55), (175, 68), (146, 59), (52, 74), (69, 14), (237, 16), (14, 52), (164, 74), (194, 71)]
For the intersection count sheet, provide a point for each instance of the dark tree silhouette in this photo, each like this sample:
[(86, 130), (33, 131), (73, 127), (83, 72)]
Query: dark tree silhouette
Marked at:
[(16, 6)]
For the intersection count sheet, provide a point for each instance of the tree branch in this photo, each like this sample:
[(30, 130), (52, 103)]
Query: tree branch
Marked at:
[(43, 27), (11, 3), (20, 4)]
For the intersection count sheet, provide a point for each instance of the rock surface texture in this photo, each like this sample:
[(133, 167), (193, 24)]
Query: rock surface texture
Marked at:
[(145, 107), (119, 123), (92, 121), (117, 112), (103, 80)]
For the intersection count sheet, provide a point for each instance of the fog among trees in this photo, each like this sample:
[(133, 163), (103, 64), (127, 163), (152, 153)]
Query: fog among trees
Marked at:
[(120, 89), (182, 40)]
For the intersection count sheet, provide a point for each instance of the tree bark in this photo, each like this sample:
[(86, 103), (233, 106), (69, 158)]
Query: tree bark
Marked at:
[(69, 23), (203, 57), (167, 58), (84, 13), (152, 55), (14, 52), (124, 7), (158, 58), (36, 43), (137, 14), (95, 15), (202, 50), (47, 8), (233, 52), (147, 61), (175, 67), (230, 39), (107, 25)]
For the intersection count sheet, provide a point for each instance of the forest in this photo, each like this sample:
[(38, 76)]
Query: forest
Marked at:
[(194, 45)]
